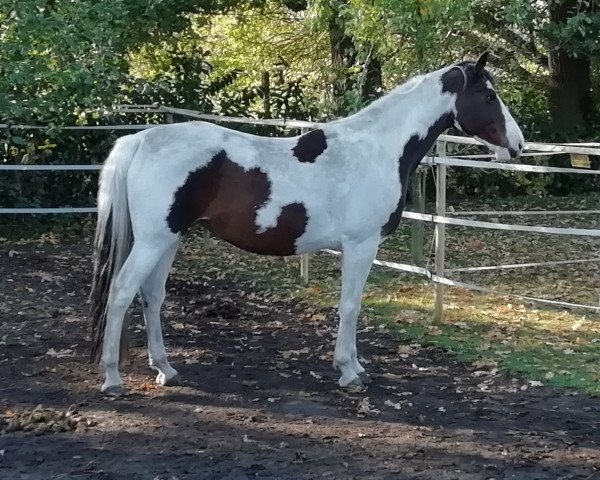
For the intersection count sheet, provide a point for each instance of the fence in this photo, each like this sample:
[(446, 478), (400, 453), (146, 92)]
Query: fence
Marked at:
[(441, 218)]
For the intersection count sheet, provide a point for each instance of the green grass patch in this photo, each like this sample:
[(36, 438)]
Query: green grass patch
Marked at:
[(559, 357)]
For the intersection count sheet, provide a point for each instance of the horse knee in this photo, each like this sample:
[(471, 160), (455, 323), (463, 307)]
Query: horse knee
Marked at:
[(121, 299)]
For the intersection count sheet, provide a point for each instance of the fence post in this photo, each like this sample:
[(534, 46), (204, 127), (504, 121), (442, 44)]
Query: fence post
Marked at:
[(440, 232), (304, 268), (304, 257), (417, 239)]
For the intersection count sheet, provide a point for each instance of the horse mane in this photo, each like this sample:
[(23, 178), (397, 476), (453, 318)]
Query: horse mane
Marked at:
[(405, 88)]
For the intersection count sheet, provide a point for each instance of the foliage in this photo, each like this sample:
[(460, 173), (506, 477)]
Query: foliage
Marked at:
[(424, 24), (61, 61), (70, 59)]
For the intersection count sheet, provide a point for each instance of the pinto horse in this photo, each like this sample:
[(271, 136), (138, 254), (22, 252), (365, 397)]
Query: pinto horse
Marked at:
[(340, 186)]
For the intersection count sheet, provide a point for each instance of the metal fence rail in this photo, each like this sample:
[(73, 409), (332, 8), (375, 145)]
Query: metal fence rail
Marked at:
[(441, 218)]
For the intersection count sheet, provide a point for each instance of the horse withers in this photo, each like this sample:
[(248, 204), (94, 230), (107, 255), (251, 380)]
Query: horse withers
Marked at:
[(340, 186)]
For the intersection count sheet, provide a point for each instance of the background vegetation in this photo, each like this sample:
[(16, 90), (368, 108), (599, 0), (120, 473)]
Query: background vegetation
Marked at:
[(62, 63)]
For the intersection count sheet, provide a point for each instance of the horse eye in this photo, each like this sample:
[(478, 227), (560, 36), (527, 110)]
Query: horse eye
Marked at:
[(490, 97)]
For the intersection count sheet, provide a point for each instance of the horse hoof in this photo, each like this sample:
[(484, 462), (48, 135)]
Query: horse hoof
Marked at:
[(354, 385), (167, 381), (365, 378), (114, 391)]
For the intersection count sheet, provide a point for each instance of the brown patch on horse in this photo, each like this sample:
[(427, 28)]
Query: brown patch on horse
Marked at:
[(310, 146), (226, 198)]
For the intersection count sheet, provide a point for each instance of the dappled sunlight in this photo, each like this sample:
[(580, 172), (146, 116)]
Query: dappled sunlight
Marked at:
[(257, 392)]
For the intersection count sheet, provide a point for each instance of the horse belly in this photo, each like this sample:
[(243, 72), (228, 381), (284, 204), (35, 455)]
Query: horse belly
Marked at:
[(226, 198), (238, 227)]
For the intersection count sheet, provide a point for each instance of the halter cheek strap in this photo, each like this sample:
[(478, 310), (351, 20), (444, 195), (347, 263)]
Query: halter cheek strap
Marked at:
[(464, 74)]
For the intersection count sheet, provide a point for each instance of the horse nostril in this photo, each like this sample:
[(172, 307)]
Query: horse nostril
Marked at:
[(521, 146)]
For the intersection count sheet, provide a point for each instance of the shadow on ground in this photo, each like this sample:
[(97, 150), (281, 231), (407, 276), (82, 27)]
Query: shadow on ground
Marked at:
[(258, 397)]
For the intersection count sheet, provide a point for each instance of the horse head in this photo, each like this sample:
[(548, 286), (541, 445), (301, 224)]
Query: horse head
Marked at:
[(479, 111)]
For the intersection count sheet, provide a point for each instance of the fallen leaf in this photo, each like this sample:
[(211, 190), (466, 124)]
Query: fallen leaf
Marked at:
[(67, 352), (365, 407), (389, 403)]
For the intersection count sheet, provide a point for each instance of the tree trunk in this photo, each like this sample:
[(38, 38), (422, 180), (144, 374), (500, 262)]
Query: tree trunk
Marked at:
[(570, 90), (373, 86), (265, 91), (343, 56), (570, 95)]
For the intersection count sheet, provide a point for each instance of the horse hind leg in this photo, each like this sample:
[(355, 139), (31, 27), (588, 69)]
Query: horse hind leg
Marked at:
[(153, 294), (141, 261)]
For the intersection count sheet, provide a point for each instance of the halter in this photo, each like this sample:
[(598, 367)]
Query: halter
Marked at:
[(464, 74)]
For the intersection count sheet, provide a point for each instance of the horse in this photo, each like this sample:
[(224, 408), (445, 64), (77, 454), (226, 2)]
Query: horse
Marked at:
[(340, 186)]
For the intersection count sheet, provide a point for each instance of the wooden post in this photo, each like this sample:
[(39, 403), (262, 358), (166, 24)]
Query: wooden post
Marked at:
[(304, 268), (417, 240), (304, 257), (440, 232)]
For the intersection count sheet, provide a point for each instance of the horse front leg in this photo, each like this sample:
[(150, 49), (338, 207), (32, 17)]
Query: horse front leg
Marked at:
[(357, 259)]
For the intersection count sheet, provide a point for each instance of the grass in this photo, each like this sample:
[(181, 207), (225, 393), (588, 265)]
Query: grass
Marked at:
[(555, 347), (541, 346)]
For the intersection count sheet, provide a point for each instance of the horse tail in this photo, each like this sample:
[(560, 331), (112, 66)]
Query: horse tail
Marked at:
[(113, 239)]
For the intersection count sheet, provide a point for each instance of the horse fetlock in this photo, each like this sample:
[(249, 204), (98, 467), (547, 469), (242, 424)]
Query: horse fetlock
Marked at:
[(344, 365), (356, 366), (112, 385), (347, 378), (350, 362), (158, 362), (341, 362)]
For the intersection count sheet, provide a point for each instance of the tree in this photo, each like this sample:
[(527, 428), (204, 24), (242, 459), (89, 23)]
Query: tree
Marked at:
[(59, 57), (573, 35), (557, 37)]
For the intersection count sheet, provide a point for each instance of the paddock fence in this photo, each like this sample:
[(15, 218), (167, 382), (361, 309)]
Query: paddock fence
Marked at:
[(439, 160)]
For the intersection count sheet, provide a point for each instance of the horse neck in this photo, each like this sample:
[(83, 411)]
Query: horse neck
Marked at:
[(417, 108)]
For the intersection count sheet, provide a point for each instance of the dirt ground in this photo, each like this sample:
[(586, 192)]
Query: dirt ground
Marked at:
[(258, 397)]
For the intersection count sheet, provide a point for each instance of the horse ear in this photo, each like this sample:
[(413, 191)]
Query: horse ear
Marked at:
[(480, 65)]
